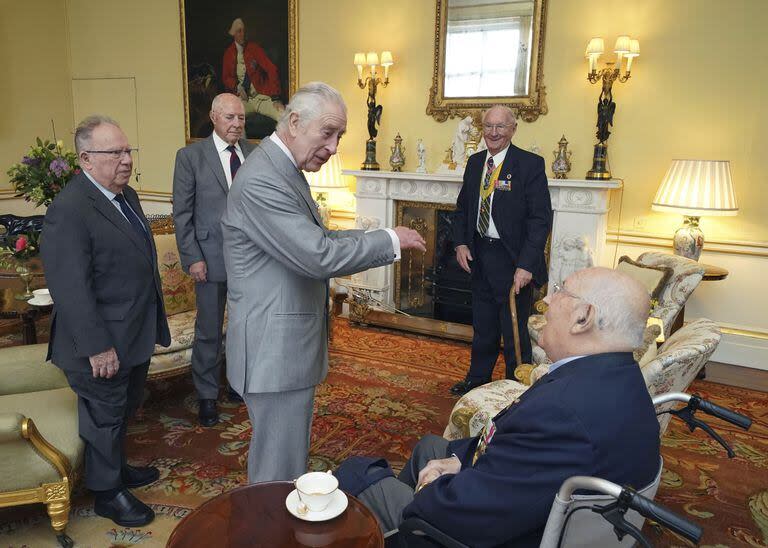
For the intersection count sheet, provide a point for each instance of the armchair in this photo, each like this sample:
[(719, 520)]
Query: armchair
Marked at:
[(40, 449)]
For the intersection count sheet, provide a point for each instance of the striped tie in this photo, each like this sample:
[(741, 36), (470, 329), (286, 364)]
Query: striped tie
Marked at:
[(484, 219)]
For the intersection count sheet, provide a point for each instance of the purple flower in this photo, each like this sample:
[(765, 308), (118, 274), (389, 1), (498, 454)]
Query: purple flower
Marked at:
[(26, 160), (58, 166)]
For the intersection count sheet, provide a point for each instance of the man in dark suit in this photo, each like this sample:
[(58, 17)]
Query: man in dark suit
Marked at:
[(498, 487), (201, 180), (502, 220), (101, 267)]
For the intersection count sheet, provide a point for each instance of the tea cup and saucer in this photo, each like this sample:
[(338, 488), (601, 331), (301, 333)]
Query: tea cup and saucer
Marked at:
[(317, 497), (42, 297)]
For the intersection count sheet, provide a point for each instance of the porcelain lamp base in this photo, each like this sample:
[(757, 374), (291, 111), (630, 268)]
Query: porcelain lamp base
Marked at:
[(689, 239)]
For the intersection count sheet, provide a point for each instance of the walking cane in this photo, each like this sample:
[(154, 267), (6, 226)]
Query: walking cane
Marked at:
[(522, 370)]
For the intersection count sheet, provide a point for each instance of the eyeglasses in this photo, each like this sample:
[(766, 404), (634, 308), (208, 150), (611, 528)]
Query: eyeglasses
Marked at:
[(115, 154), (497, 127)]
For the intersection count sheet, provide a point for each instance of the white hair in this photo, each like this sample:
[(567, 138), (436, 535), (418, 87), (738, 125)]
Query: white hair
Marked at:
[(508, 111), (84, 130), (308, 101), (237, 24), (622, 305)]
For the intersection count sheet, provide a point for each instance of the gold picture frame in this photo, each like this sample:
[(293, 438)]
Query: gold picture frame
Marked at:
[(271, 24)]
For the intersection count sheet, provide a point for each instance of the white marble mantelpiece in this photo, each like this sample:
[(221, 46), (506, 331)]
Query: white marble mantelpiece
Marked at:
[(578, 229)]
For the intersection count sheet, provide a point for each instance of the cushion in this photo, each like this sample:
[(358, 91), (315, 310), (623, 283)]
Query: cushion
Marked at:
[(653, 278), (178, 288)]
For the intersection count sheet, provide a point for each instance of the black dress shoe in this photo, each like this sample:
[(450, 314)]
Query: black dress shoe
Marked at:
[(233, 396), (208, 415), (462, 387), (123, 508), (139, 476)]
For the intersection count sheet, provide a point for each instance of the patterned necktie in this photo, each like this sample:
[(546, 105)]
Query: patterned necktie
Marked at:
[(234, 161), (484, 219), (133, 219)]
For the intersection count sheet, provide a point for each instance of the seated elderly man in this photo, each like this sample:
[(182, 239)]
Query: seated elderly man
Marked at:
[(591, 415)]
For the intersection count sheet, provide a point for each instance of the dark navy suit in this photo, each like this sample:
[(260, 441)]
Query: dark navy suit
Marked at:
[(592, 416), (522, 213)]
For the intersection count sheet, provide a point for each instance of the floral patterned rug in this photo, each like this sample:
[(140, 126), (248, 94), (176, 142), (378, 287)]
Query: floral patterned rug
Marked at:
[(384, 390)]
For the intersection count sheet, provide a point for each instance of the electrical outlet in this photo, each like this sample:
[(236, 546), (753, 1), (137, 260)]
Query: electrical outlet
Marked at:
[(639, 223)]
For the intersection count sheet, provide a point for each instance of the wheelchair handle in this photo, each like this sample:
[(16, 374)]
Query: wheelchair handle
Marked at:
[(651, 510), (708, 407), (634, 500)]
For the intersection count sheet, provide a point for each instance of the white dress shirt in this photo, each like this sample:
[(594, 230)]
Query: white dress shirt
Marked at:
[(498, 159), (224, 155), (392, 234)]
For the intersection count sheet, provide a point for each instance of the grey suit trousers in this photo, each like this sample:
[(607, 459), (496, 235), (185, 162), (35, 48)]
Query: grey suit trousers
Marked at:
[(281, 423), (388, 498), (211, 299), (104, 407)]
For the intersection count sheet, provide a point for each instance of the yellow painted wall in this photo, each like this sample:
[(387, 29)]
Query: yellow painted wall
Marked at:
[(696, 89), (132, 52), (696, 92), (34, 87)]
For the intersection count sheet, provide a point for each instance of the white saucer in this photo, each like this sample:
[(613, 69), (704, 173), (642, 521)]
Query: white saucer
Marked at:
[(335, 508), (34, 301)]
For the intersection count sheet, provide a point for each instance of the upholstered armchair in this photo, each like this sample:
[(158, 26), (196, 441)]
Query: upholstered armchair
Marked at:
[(684, 278), (40, 449), (673, 368), (179, 298)]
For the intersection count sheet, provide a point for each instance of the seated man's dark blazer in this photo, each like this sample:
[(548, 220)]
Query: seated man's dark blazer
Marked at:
[(103, 278), (522, 215), (592, 416)]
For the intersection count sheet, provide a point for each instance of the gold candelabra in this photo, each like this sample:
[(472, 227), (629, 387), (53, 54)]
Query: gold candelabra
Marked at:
[(372, 81), (627, 49)]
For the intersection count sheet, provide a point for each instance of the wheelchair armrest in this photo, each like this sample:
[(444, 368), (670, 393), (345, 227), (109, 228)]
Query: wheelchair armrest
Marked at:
[(416, 531)]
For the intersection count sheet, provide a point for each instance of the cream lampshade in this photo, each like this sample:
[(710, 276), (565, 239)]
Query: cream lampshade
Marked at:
[(328, 178), (695, 188)]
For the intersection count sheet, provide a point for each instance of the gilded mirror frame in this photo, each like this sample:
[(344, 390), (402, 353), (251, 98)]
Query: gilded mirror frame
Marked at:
[(528, 107)]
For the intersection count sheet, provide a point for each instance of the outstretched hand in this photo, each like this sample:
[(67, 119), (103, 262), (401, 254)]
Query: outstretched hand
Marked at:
[(410, 239), (463, 256)]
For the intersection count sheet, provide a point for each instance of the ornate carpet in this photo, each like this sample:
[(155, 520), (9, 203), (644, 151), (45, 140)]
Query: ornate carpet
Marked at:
[(385, 390)]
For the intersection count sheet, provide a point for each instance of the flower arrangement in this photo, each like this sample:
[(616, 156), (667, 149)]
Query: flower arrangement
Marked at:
[(43, 172), (22, 247)]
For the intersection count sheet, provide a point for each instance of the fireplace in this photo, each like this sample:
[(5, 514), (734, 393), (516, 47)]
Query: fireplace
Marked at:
[(431, 284)]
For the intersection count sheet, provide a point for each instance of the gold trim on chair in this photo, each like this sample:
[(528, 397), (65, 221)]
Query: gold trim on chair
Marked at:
[(56, 495)]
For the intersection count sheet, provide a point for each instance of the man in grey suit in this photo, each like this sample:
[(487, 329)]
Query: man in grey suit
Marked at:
[(201, 180), (279, 258), (101, 267)]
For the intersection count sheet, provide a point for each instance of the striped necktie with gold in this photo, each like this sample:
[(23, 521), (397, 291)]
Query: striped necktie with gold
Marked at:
[(484, 219)]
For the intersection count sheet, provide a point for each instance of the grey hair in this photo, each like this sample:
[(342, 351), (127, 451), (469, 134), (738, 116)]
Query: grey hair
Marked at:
[(508, 111), (307, 102), (84, 130), (622, 306)]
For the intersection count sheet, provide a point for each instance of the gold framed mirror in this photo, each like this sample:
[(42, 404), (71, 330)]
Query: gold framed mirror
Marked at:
[(488, 52)]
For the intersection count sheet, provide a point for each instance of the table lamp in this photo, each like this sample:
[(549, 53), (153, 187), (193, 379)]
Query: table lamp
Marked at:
[(695, 188), (328, 178)]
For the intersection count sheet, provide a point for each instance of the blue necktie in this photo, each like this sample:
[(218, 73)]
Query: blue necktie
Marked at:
[(133, 219)]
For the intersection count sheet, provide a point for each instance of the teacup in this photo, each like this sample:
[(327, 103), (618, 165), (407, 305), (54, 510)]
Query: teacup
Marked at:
[(316, 489), (43, 293)]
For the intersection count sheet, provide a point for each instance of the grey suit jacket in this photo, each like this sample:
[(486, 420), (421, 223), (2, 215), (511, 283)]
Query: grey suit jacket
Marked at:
[(103, 280), (279, 258), (199, 200)]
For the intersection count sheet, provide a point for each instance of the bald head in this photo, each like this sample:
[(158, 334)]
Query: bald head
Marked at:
[(598, 310), (499, 126)]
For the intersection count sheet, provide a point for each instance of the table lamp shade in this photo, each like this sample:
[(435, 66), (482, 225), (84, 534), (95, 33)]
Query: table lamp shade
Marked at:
[(329, 175), (697, 188)]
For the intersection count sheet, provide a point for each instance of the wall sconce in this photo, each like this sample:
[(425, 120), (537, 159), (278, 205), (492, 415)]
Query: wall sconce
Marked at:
[(625, 48), (371, 59), (321, 182), (694, 188)]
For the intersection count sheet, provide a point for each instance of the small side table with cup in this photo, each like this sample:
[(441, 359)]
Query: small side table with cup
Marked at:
[(310, 512), (28, 311)]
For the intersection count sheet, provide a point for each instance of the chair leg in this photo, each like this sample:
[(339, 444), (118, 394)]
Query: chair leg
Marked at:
[(58, 511)]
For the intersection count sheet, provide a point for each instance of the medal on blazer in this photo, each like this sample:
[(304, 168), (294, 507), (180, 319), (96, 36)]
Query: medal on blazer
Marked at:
[(486, 435), (505, 184)]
